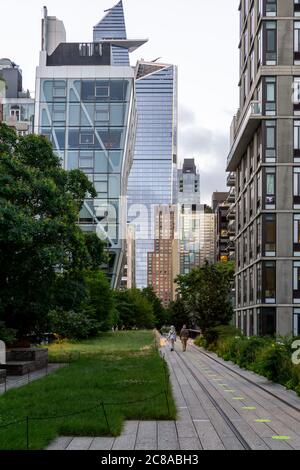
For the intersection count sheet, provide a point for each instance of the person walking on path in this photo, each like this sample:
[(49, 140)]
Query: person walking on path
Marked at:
[(172, 337), (184, 336)]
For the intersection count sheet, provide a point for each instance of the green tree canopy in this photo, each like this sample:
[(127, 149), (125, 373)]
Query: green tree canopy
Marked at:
[(160, 313), (206, 294), (39, 235), (134, 309)]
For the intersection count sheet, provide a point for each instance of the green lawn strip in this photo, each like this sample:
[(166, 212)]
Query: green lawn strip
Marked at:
[(125, 371)]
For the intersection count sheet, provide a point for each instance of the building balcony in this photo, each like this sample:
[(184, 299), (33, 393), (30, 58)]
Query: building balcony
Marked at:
[(231, 179), (243, 134), (231, 196), (231, 214)]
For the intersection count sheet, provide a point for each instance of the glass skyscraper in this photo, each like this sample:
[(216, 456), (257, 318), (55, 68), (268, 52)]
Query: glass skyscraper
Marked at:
[(153, 174), (86, 107), (151, 180)]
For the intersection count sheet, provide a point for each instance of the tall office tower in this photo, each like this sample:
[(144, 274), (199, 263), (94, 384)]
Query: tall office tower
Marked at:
[(151, 180), (86, 106), (162, 266), (16, 105), (265, 155)]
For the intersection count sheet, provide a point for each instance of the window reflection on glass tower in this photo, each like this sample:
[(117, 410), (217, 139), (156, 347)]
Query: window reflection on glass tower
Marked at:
[(85, 104)]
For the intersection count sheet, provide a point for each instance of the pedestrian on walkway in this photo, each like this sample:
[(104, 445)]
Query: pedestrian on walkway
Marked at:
[(172, 337), (184, 336)]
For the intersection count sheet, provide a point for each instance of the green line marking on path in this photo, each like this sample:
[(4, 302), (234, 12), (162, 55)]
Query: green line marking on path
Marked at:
[(238, 398), (223, 385), (263, 421), (281, 438), (229, 391), (217, 380), (249, 408)]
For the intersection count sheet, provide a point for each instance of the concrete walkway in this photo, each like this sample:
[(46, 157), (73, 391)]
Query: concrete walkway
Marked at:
[(16, 381), (217, 410)]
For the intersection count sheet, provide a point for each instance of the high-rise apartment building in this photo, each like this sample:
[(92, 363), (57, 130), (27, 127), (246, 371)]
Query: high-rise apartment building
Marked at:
[(85, 104), (162, 265), (16, 105), (265, 156)]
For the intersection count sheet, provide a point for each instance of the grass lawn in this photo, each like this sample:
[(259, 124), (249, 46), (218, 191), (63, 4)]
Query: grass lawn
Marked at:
[(122, 369)]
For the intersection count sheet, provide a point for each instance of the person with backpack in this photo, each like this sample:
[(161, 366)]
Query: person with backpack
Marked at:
[(172, 337)]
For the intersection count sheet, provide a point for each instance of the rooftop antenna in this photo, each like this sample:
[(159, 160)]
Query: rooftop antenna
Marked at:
[(155, 60)]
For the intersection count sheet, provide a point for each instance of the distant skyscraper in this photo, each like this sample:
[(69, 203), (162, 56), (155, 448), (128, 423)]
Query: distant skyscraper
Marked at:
[(162, 266), (151, 180), (196, 227), (86, 106)]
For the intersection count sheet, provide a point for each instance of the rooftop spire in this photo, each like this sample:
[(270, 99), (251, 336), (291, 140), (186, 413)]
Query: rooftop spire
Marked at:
[(112, 25)]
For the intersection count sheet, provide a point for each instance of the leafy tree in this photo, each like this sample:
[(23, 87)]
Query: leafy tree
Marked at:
[(39, 235), (100, 305), (134, 309), (179, 314), (206, 293), (160, 313)]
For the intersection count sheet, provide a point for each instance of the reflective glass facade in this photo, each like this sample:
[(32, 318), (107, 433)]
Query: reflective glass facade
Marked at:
[(152, 174), (89, 122), (112, 26)]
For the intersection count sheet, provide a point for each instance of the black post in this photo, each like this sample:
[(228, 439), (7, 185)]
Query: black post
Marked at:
[(105, 415), (27, 432), (5, 384)]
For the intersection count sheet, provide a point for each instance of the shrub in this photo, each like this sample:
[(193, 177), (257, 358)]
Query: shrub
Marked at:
[(73, 325), (8, 335), (274, 362)]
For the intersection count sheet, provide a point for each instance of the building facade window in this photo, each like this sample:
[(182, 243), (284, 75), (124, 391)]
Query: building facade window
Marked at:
[(296, 282), (269, 235), (266, 321), (296, 95), (259, 283), (269, 96), (271, 8), (270, 141), (297, 42), (258, 236), (270, 41), (296, 322), (297, 7), (297, 141), (269, 282), (296, 187), (296, 234), (270, 188), (245, 287), (251, 286)]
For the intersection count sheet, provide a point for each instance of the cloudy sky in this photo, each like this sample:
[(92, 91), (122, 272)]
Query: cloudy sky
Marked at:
[(200, 36)]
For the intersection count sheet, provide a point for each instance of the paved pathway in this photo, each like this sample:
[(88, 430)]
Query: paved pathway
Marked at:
[(16, 381), (217, 410)]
